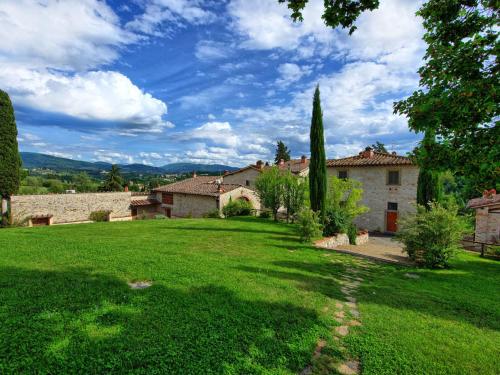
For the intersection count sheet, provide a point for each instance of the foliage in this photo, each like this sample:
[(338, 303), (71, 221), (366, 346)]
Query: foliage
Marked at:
[(379, 147), (265, 214), (352, 233), (345, 195), (238, 207), (432, 236), (10, 161), (269, 188), (337, 12), (458, 99), (429, 186), (114, 180), (99, 216), (293, 194), (214, 214), (160, 217), (282, 152), (317, 164), (336, 221), (82, 183), (308, 224)]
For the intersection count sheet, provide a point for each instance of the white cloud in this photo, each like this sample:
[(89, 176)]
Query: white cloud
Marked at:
[(70, 34), (210, 50), (290, 73), (113, 157), (220, 133), (173, 13)]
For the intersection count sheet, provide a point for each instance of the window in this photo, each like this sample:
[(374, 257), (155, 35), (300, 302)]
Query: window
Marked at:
[(392, 206), (342, 174), (393, 178), (247, 182), (167, 198)]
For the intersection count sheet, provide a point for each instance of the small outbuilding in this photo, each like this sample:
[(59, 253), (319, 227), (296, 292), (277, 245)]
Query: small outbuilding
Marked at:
[(487, 209)]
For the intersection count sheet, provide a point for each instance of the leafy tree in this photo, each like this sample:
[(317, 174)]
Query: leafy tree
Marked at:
[(269, 187), (10, 161), (282, 152), (293, 194), (458, 98), (114, 180), (83, 183), (337, 12), (379, 147), (308, 224), (429, 188), (317, 164)]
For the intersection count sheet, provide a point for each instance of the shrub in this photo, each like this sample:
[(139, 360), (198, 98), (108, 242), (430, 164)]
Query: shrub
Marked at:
[(431, 237), (265, 214), (99, 216), (308, 224), (239, 207), (214, 214), (352, 233), (160, 217), (336, 221)]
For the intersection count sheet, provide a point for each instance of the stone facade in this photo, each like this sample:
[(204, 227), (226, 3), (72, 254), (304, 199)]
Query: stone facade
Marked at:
[(245, 177), (487, 225), (240, 193), (377, 194), (71, 208)]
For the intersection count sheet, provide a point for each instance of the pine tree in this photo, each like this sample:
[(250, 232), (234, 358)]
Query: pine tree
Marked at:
[(317, 165), (429, 182), (282, 152), (114, 180), (10, 161)]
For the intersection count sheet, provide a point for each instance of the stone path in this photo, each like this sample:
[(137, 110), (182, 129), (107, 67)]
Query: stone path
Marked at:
[(347, 315)]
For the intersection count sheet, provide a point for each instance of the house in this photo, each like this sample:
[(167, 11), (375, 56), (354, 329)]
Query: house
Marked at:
[(487, 208), (199, 195), (248, 175), (389, 184)]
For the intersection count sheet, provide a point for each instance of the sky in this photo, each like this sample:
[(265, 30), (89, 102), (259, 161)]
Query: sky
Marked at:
[(205, 81)]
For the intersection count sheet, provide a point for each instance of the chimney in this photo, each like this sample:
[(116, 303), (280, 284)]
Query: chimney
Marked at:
[(367, 153), (489, 193), (303, 159), (125, 188), (259, 164), (282, 162), (194, 174)]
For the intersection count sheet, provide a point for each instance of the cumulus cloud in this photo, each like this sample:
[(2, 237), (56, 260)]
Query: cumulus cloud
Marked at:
[(113, 157), (290, 73), (210, 50)]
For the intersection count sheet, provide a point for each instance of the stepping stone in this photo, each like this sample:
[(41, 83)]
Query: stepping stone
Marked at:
[(412, 276), (342, 330), (340, 314), (339, 305), (345, 290), (140, 284), (354, 323), (349, 368), (351, 299), (355, 313), (352, 305), (319, 347)]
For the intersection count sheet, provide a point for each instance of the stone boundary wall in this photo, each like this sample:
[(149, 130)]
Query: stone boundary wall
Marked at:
[(71, 208), (341, 239)]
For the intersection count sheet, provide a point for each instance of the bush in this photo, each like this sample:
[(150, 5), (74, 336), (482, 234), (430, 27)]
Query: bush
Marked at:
[(265, 214), (431, 237), (100, 216), (214, 214), (239, 207), (336, 221), (352, 233), (308, 224), (160, 217)]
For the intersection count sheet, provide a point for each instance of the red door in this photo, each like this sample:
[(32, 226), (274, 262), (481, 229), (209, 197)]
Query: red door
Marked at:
[(392, 218)]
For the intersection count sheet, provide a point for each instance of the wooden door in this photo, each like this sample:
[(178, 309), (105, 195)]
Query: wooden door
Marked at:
[(392, 218), (168, 212)]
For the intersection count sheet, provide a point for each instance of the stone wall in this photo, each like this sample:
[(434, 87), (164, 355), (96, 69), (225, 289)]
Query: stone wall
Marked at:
[(239, 193), (487, 225), (377, 194), (71, 208), (190, 205), (240, 178), (341, 239)]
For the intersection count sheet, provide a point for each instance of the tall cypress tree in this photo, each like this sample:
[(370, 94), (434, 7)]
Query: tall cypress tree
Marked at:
[(317, 165), (10, 161), (429, 183)]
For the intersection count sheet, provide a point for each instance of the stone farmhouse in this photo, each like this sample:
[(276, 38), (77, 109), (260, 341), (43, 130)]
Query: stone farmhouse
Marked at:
[(389, 186), (487, 209), (389, 182)]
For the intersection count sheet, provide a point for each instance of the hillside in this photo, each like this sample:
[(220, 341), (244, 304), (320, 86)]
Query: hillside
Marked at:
[(32, 160)]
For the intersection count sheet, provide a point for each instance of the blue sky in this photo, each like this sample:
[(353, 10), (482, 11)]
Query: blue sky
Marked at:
[(207, 81)]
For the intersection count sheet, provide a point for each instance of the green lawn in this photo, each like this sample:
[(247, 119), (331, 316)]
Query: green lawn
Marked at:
[(229, 296)]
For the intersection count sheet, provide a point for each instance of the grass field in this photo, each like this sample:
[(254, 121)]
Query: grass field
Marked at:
[(238, 296)]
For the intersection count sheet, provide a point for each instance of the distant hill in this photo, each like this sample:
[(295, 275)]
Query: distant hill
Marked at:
[(32, 160)]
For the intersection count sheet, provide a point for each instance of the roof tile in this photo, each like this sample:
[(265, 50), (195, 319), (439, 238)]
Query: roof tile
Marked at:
[(378, 159)]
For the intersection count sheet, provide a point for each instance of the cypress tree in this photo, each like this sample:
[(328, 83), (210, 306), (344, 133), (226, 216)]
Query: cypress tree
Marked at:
[(429, 182), (317, 165), (10, 161)]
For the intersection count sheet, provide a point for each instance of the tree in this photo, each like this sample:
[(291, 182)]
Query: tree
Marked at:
[(10, 161), (317, 164), (337, 12), (458, 98), (293, 194), (83, 183), (282, 152), (269, 187), (114, 180), (379, 147), (429, 183)]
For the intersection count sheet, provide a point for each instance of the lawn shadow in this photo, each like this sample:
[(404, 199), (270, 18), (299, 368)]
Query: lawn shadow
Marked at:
[(75, 321)]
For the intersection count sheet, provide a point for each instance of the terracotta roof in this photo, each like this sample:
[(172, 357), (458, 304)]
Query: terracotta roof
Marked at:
[(144, 202), (377, 159), (201, 185), (251, 166), (295, 165), (484, 201)]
